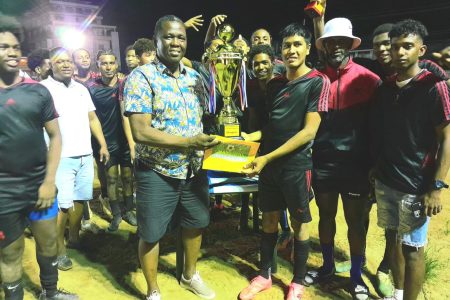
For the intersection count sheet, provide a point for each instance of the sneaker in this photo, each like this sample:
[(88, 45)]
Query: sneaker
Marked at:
[(88, 226), (155, 295), (284, 239), (360, 292), (64, 263), (114, 225), (258, 284), (295, 291), (219, 206), (384, 284), (319, 276), (60, 295), (344, 266), (197, 286), (130, 218)]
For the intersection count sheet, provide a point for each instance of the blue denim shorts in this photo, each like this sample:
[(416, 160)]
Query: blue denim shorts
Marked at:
[(403, 213), (75, 180)]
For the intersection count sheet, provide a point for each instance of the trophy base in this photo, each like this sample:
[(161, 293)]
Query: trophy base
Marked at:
[(230, 130)]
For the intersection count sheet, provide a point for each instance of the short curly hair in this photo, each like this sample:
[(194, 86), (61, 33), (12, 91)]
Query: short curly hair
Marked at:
[(36, 57), (143, 45), (10, 24), (261, 49), (407, 27)]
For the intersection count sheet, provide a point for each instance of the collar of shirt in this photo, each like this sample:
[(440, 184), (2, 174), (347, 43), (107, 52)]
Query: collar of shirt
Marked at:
[(52, 81), (162, 68)]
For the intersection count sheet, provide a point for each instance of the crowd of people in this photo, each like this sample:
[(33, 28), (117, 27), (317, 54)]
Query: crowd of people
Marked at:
[(361, 130)]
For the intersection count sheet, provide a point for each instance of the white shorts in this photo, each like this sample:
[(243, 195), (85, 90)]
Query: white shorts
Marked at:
[(75, 180)]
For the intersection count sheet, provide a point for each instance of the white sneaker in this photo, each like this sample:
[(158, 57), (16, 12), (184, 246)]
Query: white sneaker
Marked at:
[(155, 295), (197, 286)]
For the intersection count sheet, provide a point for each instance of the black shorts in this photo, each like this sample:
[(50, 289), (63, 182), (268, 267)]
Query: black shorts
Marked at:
[(164, 203), (118, 155), (286, 187), (13, 224), (358, 186)]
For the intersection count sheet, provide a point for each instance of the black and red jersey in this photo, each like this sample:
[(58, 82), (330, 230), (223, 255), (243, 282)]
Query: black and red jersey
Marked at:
[(288, 104), (24, 109), (404, 122), (377, 68), (341, 147), (107, 108)]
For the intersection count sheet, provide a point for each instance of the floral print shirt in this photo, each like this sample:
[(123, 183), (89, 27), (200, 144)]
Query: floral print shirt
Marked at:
[(176, 106)]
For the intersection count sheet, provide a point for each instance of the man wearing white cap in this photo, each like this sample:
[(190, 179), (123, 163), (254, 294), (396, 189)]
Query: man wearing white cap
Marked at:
[(341, 149)]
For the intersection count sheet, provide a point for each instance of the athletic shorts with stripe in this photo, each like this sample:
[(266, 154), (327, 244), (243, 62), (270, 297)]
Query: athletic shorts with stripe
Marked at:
[(285, 187)]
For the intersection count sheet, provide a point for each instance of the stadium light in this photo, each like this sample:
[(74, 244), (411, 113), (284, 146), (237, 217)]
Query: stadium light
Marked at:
[(70, 37)]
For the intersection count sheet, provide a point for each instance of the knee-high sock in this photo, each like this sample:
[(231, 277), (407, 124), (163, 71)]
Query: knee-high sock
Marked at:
[(301, 253), (284, 221), (268, 243), (13, 290), (328, 256), (48, 274)]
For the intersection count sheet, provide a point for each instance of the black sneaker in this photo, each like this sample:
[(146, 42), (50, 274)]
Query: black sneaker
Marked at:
[(360, 291), (114, 225), (60, 295), (312, 277), (64, 263), (130, 218)]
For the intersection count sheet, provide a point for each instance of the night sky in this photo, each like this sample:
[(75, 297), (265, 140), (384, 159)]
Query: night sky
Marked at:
[(136, 18)]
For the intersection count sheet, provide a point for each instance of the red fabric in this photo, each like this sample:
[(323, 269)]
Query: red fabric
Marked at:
[(350, 85)]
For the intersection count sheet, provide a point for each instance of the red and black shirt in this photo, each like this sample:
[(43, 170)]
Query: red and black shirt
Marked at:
[(107, 108), (24, 109), (404, 121), (341, 147), (288, 104)]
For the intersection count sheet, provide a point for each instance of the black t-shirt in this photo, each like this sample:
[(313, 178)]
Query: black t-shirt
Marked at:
[(107, 108), (374, 66), (24, 110), (403, 122), (289, 102), (257, 100)]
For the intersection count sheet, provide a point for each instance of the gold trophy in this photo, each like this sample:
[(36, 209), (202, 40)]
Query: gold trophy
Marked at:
[(228, 71)]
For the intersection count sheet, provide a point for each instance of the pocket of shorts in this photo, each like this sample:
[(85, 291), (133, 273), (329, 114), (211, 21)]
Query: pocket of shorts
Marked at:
[(413, 205)]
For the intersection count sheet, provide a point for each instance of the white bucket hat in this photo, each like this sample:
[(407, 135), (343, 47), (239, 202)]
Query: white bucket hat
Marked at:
[(338, 27)]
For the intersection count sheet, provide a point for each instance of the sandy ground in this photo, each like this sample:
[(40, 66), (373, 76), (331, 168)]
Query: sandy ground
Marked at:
[(108, 267)]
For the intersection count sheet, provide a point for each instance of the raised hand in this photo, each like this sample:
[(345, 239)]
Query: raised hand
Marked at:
[(217, 20), (194, 22)]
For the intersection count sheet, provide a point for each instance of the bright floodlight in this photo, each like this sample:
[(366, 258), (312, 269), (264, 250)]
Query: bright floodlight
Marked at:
[(70, 37)]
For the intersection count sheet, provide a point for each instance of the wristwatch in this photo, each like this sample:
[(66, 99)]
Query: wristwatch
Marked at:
[(437, 185)]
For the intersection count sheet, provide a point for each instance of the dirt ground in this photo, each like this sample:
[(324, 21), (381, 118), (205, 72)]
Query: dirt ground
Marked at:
[(108, 266)]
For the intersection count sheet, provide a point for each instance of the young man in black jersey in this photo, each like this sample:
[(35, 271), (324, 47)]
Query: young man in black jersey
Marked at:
[(295, 101), (412, 142), (104, 92), (27, 178)]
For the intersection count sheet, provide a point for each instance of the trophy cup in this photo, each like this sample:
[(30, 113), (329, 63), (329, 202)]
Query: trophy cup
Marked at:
[(314, 9), (227, 72)]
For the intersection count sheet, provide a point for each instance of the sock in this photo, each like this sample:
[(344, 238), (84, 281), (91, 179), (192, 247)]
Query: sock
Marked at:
[(48, 273), (86, 214), (301, 253), (129, 203), (104, 191), (115, 208), (268, 243), (355, 271), (13, 290), (284, 221), (328, 257), (218, 199), (398, 294)]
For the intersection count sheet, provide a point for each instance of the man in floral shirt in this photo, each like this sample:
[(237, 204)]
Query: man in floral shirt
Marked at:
[(165, 103)]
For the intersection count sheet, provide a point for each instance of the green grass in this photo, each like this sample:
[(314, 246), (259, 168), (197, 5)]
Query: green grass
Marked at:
[(432, 265)]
